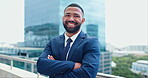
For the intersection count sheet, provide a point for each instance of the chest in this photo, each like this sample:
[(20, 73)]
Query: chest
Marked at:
[(76, 52)]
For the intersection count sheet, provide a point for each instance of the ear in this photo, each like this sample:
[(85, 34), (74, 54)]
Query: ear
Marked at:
[(83, 20)]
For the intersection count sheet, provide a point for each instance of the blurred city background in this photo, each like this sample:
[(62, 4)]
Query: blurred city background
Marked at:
[(120, 25)]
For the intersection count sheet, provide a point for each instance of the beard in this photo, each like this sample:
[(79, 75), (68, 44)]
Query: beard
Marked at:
[(72, 29)]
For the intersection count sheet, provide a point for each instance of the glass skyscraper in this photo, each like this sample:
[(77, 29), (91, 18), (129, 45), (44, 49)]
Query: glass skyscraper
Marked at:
[(43, 20)]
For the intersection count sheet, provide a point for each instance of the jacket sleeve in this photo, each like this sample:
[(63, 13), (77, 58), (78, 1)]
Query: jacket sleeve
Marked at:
[(90, 62), (51, 67)]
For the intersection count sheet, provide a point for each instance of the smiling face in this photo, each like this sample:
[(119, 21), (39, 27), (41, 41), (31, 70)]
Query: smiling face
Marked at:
[(72, 19)]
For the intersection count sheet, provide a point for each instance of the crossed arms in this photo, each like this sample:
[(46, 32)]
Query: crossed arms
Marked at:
[(77, 65), (48, 65)]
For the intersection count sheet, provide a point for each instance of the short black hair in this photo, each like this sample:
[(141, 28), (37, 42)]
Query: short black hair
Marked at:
[(75, 5)]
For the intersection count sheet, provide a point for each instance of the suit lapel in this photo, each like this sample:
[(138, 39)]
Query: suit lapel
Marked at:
[(77, 42), (61, 44)]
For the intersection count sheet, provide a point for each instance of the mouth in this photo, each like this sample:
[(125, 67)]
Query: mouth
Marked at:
[(71, 23)]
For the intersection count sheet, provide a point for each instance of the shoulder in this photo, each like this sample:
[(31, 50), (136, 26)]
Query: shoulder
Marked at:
[(91, 39), (57, 38), (92, 44), (87, 38)]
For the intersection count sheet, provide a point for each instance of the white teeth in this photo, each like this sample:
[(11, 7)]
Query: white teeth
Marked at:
[(71, 24)]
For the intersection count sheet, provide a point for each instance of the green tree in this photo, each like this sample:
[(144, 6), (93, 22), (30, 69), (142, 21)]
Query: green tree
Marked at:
[(124, 65)]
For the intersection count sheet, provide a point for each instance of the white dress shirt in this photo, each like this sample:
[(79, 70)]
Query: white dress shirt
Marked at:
[(73, 38)]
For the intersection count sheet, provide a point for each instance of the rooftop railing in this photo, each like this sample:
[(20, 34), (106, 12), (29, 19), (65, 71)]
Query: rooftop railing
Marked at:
[(32, 62)]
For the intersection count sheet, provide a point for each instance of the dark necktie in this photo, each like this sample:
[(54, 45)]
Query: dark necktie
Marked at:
[(66, 49)]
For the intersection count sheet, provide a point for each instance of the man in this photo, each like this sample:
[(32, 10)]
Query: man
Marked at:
[(73, 54)]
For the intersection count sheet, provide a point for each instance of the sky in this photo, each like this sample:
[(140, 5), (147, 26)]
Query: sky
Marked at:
[(11, 21), (126, 22)]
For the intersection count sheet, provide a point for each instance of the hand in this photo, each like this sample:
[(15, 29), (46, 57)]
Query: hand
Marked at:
[(77, 65), (50, 57)]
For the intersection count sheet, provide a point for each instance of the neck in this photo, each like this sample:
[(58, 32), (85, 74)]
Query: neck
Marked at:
[(71, 34)]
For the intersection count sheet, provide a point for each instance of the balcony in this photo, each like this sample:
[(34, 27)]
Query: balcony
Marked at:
[(8, 71)]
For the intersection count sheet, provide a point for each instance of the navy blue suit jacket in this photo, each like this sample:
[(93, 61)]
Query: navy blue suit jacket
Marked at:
[(85, 50)]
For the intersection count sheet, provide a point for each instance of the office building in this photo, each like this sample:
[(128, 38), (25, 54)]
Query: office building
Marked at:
[(27, 52), (136, 48), (141, 66)]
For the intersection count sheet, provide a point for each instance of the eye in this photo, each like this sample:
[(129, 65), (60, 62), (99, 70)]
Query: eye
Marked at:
[(67, 15), (77, 16)]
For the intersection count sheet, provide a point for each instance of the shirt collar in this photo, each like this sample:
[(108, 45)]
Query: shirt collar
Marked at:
[(73, 37)]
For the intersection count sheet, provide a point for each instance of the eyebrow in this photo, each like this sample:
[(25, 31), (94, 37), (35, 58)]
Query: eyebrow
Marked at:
[(73, 13), (67, 13)]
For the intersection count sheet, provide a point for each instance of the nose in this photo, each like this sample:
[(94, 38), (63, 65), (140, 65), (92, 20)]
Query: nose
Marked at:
[(71, 18)]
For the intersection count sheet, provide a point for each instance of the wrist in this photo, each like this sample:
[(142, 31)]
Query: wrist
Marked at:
[(77, 65)]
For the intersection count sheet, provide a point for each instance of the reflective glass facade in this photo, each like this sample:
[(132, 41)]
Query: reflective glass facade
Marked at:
[(41, 22)]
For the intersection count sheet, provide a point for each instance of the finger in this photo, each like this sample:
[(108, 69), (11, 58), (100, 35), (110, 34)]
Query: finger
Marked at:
[(48, 56), (52, 58)]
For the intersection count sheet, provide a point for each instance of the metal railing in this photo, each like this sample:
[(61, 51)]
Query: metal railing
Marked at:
[(101, 75), (11, 58)]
